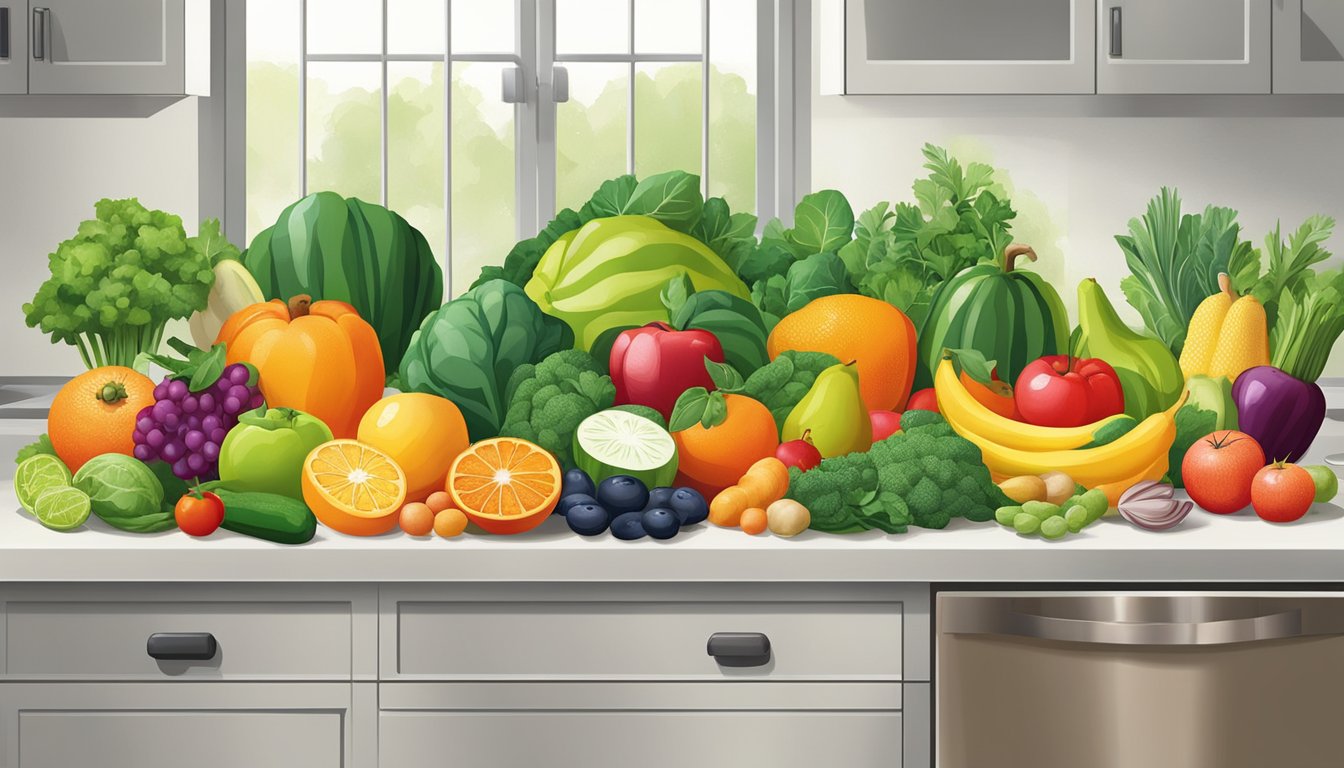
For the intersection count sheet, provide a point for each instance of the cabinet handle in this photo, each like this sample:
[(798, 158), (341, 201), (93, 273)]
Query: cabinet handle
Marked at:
[(739, 649), (182, 646), (4, 33), (1117, 47), (40, 33)]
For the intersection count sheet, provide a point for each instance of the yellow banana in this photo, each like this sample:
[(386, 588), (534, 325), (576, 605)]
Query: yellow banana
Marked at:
[(1129, 456), (969, 416), (1114, 489)]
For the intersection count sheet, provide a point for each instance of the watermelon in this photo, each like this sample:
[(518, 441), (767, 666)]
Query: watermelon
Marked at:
[(334, 248), (610, 273), (1010, 316)]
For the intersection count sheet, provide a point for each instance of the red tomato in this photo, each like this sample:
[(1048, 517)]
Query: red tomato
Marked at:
[(1218, 470), (199, 515), (1067, 391), (1282, 493), (923, 400)]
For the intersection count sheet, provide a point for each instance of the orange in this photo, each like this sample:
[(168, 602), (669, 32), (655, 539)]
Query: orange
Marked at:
[(710, 460), (505, 485), (353, 488), (422, 433), (450, 522), (852, 327), (416, 519), (997, 396), (95, 412)]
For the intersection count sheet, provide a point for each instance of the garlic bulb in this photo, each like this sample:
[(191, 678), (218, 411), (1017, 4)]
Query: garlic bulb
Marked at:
[(1149, 505)]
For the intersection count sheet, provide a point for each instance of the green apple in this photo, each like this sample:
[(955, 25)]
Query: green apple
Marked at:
[(1327, 482)]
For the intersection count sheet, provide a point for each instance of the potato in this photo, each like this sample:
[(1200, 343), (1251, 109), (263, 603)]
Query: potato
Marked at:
[(1025, 488), (787, 517), (1058, 487)]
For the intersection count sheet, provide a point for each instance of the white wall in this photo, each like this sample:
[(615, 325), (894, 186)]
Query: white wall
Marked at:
[(52, 170), (1077, 180)]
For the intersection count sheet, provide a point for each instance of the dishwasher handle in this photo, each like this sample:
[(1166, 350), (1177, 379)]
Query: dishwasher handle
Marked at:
[(1271, 626)]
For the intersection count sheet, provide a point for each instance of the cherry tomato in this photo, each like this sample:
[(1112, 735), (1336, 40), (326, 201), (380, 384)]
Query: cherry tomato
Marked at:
[(1282, 493), (199, 515)]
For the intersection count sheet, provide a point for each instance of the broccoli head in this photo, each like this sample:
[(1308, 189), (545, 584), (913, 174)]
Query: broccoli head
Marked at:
[(782, 384), (548, 400)]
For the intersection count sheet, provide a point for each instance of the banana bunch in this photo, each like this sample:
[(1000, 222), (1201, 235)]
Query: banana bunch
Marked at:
[(1011, 448)]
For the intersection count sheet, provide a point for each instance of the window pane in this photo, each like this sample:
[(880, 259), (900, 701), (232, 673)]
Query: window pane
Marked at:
[(732, 102), (670, 26), (343, 26), (592, 26), (272, 113), (483, 26), (591, 131), (415, 26), (667, 118), (415, 148), (485, 224), (345, 129)]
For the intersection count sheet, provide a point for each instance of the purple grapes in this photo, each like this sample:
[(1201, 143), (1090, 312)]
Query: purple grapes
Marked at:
[(185, 429)]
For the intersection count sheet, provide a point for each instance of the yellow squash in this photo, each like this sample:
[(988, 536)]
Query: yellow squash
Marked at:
[(1227, 335)]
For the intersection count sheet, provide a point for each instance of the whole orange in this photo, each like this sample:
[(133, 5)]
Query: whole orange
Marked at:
[(852, 327), (712, 459), (94, 413), (423, 433)]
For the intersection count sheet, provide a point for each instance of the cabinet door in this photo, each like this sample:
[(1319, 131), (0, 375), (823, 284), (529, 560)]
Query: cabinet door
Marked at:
[(961, 46), (1308, 46), (13, 46), (126, 47), (168, 725), (1183, 46)]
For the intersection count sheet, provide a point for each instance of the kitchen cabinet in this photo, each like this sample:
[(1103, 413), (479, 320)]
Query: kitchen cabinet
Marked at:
[(85, 47), (957, 46), (13, 47), (1308, 46), (1192, 46)]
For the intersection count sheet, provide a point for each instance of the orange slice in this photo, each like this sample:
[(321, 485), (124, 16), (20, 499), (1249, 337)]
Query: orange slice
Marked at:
[(353, 488), (505, 485)]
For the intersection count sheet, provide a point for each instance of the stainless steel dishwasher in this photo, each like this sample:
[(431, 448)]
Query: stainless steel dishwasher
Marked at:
[(1139, 679)]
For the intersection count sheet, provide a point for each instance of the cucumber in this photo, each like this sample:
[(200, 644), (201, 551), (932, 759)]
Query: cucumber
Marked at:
[(267, 516)]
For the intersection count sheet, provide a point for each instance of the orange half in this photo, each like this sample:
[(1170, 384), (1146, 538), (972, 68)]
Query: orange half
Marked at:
[(505, 485), (353, 488)]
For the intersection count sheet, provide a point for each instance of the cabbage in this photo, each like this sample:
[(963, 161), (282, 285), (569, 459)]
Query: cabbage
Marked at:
[(125, 493)]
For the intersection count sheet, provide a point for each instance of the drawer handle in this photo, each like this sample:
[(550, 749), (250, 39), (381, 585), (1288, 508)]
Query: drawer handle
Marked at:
[(739, 649), (182, 646)]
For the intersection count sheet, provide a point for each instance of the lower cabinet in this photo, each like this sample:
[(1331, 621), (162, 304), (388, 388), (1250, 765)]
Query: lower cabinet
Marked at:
[(168, 725)]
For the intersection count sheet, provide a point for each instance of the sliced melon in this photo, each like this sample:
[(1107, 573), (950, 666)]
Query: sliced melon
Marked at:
[(615, 442)]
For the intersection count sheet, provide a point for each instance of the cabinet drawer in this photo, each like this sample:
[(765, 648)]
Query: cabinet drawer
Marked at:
[(644, 634), (106, 639)]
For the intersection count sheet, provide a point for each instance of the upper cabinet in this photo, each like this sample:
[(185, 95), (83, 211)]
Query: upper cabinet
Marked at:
[(13, 61), (128, 47), (1308, 46), (957, 46), (1183, 46)]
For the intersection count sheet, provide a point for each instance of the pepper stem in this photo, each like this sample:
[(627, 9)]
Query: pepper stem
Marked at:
[(299, 305), (1012, 252)]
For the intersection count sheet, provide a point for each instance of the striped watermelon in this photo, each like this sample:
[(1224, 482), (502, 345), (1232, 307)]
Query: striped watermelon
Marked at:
[(330, 247), (1009, 316), (611, 273)]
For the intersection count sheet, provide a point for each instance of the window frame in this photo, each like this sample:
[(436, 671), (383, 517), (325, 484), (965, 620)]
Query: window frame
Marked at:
[(783, 112)]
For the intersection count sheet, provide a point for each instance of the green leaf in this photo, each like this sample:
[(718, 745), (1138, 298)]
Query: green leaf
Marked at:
[(731, 235), (41, 446), (734, 321), (822, 222), (211, 243), (725, 377), (973, 363), (612, 197), (766, 260), (716, 411), (672, 198), (1192, 423), (208, 369), (689, 409), (675, 294)]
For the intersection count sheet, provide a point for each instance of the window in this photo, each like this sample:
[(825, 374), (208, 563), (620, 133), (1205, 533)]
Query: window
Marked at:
[(403, 102)]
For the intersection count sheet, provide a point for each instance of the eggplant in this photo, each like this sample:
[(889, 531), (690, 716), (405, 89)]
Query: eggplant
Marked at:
[(1281, 412)]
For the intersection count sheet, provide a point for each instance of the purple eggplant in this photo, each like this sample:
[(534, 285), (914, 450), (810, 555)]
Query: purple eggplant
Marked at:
[(1281, 412)]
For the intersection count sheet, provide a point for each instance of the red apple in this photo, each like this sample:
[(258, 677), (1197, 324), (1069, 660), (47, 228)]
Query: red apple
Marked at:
[(800, 453), (1067, 391), (885, 424), (923, 400), (654, 364)]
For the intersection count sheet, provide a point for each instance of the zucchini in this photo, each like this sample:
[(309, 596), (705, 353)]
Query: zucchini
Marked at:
[(267, 516)]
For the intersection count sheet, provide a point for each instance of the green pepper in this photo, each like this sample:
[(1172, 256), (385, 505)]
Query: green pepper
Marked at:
[(265, 452)]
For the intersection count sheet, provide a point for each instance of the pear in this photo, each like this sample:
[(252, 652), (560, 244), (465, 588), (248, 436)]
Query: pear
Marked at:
[(833, 411), (1149, 374)]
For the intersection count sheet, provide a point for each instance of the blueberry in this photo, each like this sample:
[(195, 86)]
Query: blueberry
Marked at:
[(577, 481), (587, 519), (689, 505), (571, 500), (628, 527), (661, 523), (659, 498), (622, 493)]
